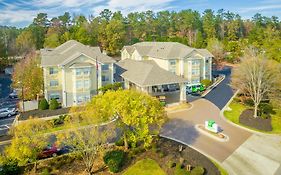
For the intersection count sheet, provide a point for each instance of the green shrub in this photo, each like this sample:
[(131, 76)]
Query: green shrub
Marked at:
[(161, 154), (197, 171), (119, 142), (206, 82), (171, 164), (114, 160), (137, 150), (237, 99), (265, 108), (54, 104), (249, 102), (43, 104), (45, 172), (10, 168), (60, 120), (180, 171)]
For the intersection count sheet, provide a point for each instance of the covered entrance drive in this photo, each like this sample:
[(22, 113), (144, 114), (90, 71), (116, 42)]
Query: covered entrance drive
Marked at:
[(148, 77)]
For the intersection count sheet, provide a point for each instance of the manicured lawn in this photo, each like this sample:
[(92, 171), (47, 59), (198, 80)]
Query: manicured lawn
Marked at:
[(145, 167), (238, 108)]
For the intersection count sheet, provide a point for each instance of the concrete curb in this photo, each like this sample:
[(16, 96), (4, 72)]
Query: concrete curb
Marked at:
[(5, 142), (180, 110), (210, 135), (213, 86), (239, 126)]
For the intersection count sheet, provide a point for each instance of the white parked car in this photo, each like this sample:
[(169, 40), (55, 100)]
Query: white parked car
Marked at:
[(7, 112), (13, 94)]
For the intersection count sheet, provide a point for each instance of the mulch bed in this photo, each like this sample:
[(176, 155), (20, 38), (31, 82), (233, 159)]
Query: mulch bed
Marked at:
[(246, 118), (43, 113), (167, 152), (190, 156)]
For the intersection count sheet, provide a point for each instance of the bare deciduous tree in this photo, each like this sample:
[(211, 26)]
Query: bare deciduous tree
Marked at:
[(256, 76), (87, 142)]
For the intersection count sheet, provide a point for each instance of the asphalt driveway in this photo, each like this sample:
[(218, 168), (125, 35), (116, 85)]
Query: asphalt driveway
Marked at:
[(181, 126), (223, 92)]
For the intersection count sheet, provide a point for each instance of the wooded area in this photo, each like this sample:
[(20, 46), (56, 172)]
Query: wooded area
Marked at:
[(225, 33)]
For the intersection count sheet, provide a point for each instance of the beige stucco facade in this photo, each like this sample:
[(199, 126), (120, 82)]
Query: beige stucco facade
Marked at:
[(194, 67), (77, 81)]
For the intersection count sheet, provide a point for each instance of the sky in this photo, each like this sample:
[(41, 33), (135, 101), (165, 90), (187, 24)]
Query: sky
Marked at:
[(20, 13)]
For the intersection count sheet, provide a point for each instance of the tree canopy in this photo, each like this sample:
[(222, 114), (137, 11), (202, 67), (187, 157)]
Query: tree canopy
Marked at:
[(257, 77), (111, 31), (139, 115), (28, 76)]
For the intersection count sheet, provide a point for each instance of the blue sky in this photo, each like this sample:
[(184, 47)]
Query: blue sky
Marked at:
[(20, 13)]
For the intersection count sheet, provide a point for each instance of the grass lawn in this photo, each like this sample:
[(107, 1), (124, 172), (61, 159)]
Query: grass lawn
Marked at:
[(145, 167), (221, 169), (238, 108)]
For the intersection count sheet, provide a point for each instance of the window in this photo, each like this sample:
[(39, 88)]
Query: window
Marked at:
[(86, 71), (195, 71), (78, 72), (55, 96), (194, 81), (83, 71), (82, 84), (86, 84), (83, 98), (195, 62), (173, 62), (53, 70), (105, 67), (105, 78), (79, 84), (54, 83), (207, 61)]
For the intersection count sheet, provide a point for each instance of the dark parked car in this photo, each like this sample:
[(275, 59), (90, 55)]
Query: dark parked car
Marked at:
[(49, 151)]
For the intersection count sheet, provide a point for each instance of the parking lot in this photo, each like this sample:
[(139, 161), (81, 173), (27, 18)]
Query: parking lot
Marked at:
[(6, 102)]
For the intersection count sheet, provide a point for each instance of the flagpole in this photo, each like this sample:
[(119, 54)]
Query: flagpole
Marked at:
[(97, 74)]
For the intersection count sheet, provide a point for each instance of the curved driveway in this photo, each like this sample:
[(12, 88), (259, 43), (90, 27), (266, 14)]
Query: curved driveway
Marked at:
[(182, 127), (244, 154)]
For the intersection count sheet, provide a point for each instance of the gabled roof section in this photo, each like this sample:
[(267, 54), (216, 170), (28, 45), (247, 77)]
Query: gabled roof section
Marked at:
[(147, 73), (129, 49), (205, 52), (165, 50), (71, 49)]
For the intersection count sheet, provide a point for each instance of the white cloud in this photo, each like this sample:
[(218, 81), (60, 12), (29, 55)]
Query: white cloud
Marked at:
[(134, 5), (24, 11), (260, 8)]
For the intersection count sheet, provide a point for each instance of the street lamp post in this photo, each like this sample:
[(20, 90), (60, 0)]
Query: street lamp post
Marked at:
[(22, 95)]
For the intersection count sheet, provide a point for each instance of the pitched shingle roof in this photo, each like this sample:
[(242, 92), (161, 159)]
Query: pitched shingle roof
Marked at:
[(147, 73), (71, 50), (165, 50)]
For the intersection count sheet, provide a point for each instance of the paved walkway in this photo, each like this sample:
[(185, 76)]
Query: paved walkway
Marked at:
[(244, 154)]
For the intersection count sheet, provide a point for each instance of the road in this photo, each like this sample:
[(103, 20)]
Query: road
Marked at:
[(223, 92)]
